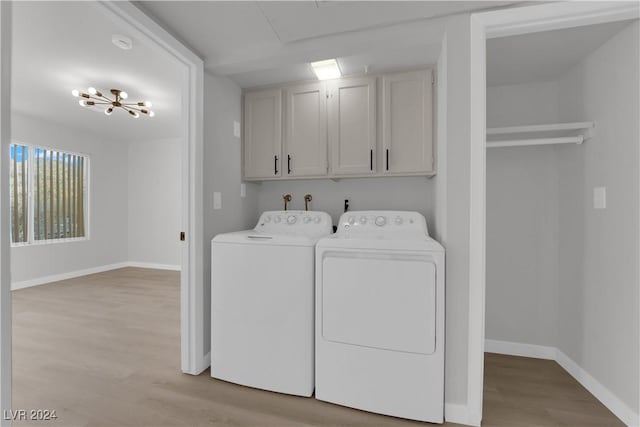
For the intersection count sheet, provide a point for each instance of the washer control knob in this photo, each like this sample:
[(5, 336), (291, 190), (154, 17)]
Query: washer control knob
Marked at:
[(277, 219), (352, 220), (317, 220), (380, 221), (267, 218), (306, 219), (291, 219), (363, 220), (399, 220)]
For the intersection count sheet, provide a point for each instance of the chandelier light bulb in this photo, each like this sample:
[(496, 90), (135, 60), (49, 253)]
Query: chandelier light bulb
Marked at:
[(108, 111), (92, 90), (147, 104), (151, 114), (75, 93), (82, 102), (124, 95)]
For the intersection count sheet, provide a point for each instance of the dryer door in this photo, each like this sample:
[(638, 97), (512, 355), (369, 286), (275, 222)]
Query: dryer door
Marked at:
[(384, 300)]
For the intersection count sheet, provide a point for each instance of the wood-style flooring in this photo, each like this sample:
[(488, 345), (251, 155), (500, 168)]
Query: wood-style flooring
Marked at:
[(104, 350)]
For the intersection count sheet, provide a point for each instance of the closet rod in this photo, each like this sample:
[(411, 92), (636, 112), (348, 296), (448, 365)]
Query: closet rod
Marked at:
[(537, 141)]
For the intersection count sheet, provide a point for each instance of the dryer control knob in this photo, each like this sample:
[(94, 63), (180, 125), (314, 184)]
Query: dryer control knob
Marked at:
[(363, 220), (317, 220), (291, 219), (399, 220), (352, 220), (267, 218), (380, 221), (306, 219), (277, 219)]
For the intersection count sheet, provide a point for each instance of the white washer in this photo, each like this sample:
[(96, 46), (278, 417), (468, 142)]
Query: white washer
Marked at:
[(380, 316), (262, 296)]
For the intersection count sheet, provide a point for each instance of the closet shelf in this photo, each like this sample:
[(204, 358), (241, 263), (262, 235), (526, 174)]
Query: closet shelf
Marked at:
[(556, 133)]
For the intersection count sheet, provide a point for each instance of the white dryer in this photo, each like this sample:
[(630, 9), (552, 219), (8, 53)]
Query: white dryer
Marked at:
[(262, 302), (380, 316)]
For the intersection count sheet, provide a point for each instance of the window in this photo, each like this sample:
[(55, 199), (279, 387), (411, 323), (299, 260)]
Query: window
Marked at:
[(48, 195)]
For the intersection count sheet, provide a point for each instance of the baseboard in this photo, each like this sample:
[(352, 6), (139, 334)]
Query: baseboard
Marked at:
[(520, 349), (602, 393), (458, 414), (154, 266), (64, 276), (85, 272)]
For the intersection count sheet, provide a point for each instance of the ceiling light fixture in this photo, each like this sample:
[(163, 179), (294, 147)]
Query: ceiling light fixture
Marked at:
[(327, 69), (93, 97)]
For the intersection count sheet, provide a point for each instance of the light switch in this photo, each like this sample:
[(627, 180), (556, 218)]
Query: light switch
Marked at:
[(217, 200), (243, 190), (600, 197), (236, 129)]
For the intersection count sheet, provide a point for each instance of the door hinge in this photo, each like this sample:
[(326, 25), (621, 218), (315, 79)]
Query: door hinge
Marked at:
[(183, 236)]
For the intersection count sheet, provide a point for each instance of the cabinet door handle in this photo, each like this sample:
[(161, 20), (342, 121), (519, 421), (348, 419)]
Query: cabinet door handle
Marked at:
[(275, 165), (288, 164), (387, 159), (371, 159)]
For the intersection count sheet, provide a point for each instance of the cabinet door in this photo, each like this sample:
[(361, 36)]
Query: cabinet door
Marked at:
[(407, 122), (352, 126), (263, 134), (306, 131)]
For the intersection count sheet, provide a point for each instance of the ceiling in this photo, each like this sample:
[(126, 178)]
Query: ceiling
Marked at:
[(258, 43), (543, 56), (60, 46)]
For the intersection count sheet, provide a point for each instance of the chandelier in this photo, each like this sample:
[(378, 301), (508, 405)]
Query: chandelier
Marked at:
[(93, 97)]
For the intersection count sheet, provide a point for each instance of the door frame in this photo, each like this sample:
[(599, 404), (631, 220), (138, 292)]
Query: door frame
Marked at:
[(5, 233), (483, 26), (194, 357)]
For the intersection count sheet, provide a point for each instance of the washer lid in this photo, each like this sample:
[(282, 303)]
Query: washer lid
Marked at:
[(253, 237)]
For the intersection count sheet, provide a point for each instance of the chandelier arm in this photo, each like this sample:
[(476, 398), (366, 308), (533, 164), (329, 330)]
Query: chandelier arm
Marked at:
[(131, 108), (106, 99)]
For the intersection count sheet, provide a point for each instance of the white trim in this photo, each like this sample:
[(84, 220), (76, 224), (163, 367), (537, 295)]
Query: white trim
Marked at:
[(458, 414), (520, 349), (501, 23), (193, 355), (64, 276), (555, 16), (5, 233), (154, 266), (477, 224), (87, 271), (595, 387)]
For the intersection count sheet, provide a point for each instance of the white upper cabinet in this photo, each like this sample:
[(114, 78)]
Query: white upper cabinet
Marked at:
[(352, 126), (263, 134), (407, 123), (306, 131)]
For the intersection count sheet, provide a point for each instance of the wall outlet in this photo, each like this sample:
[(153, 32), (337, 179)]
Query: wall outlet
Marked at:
[(243, 190), (600, 197), (217, 200), (236, 129)]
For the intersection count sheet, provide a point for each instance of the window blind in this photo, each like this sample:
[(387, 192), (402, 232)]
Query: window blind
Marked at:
[(53, 205)]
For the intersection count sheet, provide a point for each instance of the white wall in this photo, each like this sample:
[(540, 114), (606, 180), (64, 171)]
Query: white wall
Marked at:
[(599, 249), (387, 193), (522, 221), (455, 231), (107, 204), (222, 172), (154, 202)]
